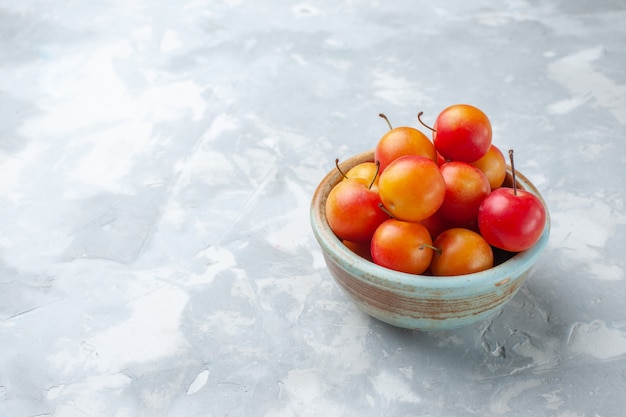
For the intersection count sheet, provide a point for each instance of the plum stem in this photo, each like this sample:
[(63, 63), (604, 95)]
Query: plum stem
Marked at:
[(387, 212), (426, 245), (419, 118), (513, 171), (339, 169), (375, 175), (382, 115)]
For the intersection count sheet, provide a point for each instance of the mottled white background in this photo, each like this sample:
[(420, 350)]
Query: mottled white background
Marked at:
[(157, 161)]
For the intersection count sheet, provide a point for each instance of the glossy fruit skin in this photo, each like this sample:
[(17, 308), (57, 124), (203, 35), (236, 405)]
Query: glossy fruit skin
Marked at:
[(462, 252), (466, 188), (402, 141), (398, 245), (368, 171), (353, 211), (412, 188), (512, 222), (493, 165), (462, 133)]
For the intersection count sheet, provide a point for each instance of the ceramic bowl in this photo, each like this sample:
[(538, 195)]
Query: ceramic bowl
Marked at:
[(419, 301)]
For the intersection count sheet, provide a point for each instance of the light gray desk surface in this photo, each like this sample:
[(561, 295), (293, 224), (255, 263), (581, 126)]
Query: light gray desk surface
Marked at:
[(157, 161)]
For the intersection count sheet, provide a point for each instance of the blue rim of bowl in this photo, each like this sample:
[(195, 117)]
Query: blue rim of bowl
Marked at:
[(381, 276)]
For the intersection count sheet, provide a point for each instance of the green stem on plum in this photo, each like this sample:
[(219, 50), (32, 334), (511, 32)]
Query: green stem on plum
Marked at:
[(513, 172), (339, 169), (419, 118), (382, 115), (426, 245)]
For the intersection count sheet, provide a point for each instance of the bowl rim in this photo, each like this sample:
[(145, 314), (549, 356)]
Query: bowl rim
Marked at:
[(383, 277)]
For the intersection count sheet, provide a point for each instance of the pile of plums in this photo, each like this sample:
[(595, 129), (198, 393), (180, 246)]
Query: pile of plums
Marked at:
[(436, 207)]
